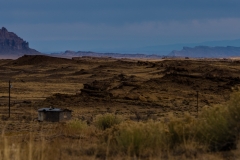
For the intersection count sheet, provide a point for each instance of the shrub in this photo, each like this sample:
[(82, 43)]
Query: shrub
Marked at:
[(181, 130), (215, 130), (218, 126), (107, 121), (75, 126), (138, 138), (233, 106)]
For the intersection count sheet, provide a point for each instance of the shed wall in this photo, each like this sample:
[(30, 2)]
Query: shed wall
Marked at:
[(64, 116), (41, 116), (52, 116)]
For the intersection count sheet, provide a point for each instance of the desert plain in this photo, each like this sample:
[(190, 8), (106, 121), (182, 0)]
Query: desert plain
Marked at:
[(138, 90)]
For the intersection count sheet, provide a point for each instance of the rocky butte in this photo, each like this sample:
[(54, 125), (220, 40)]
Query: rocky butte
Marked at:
[(12, 46)]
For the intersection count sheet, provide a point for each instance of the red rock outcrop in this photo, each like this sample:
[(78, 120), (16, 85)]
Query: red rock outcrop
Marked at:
[(12, 46)]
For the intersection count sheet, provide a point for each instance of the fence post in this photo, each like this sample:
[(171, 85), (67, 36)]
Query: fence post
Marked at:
[(197, 103), (9, 88)]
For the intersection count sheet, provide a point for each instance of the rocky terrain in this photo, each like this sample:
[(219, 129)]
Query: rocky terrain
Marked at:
[(12, 46), (148, 89), (207, 52), (138, 91)]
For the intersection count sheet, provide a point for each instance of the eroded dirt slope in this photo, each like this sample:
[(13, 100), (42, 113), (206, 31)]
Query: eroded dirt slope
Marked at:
[(135, 89)]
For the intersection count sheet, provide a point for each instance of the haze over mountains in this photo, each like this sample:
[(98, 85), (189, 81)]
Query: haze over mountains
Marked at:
[(168, 48), (209, 52), (194, 52), (12, 47)]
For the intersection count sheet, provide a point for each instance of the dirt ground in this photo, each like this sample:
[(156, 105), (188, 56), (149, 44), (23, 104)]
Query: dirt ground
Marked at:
[(138, 90)]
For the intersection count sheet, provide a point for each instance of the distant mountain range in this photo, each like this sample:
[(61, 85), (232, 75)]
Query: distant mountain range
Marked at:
[(166, 49), (12, 46), (69, 53), (195, 52), (208, 52)]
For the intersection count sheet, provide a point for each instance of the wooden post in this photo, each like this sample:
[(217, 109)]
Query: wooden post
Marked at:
[(197, 103), (9, 87)]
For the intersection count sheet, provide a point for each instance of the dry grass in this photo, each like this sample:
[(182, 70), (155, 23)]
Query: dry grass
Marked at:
[(74, 140), (157, 94), (106, 121)]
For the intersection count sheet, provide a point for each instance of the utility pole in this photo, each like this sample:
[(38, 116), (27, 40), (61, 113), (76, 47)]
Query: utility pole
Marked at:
[(9, 87), (197, 103)]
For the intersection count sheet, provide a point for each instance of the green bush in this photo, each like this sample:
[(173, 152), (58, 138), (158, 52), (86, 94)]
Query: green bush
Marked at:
[(138, 138), (215, 130), (107, 121), (181, 130), (233, 106), (218, 126)]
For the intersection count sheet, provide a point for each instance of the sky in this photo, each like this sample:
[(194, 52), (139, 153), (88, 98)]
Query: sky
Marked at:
[(119, 25)]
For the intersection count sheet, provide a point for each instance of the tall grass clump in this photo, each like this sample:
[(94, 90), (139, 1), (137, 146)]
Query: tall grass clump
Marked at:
[(139, 138), (218, 126), (215, 129), (107, 121), (181, 130), (152, 138), (234, 109), (75, 126)]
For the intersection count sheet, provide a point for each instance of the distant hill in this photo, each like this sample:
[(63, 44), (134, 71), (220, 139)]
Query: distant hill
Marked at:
[(12, 46), (69, 54), (40, 60), (208, 52)]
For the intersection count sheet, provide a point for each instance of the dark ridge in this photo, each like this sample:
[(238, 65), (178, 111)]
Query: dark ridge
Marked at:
[(40, 59)]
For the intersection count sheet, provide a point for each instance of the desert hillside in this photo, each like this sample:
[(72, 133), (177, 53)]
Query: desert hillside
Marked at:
[(141, 92), (121, 86)]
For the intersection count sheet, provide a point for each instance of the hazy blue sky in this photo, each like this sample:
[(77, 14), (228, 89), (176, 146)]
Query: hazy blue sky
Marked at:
[(115, 25)]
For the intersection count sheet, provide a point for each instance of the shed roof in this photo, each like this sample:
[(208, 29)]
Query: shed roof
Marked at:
[(52, 110)]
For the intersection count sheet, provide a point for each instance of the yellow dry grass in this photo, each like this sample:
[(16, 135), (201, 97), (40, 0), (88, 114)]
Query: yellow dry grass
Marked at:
[(162, 88)]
